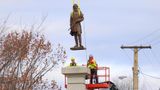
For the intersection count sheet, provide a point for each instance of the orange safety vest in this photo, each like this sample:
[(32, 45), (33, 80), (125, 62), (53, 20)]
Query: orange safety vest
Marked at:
[(92, 64)]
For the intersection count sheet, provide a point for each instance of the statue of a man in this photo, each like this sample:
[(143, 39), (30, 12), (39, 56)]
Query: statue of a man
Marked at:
[(75, 24)]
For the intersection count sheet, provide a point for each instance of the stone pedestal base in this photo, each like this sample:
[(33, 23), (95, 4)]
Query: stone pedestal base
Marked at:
[(76, 77)]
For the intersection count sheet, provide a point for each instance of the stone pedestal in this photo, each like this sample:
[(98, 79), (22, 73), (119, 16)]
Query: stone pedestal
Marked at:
[(76, 77)]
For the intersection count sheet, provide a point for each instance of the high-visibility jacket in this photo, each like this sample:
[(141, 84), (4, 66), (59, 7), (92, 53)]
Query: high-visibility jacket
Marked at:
[(73, 64), (92, 64), (79, 13)]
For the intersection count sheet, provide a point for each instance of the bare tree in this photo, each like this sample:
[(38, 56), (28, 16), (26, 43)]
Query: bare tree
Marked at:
[(25, 57)]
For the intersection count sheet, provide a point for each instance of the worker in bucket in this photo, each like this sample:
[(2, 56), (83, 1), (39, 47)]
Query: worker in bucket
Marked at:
[(73, 63), (75, 25), (92, 65)]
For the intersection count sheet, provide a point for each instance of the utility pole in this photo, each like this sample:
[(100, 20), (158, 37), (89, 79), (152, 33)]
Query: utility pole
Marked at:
[(135, 66)]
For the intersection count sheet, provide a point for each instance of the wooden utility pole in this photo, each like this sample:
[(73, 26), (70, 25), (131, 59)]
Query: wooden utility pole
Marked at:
[(135, 66)]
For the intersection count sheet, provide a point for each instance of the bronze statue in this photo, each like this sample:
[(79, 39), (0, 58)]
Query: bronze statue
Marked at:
[(75, 25)]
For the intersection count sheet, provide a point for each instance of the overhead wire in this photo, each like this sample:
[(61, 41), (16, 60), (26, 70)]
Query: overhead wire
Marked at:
[(148, 35), (146, 83), (142, 80), (155, 77), (149, 86), (127, 55), (153, 62), (155, 57), (156, 43), (153, 40), (148, 59), (146, 80)]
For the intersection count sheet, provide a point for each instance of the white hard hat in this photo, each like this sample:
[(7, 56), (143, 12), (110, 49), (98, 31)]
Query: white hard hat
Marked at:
[(90, 55)]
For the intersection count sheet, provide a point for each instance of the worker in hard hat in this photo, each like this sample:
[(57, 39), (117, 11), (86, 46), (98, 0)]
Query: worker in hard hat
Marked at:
[(92, 65), (73, 63), (75, 25)]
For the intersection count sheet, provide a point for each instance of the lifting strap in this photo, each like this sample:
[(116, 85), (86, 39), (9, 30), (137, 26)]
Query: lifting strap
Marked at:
[(73, 2), (79, 11)]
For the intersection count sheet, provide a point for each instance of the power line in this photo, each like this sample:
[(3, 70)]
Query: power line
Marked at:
[(140, 71), (149, 75), (154, 39), (147, 83), (156, 43), (125, 52), (155, 57), (135, 65), (150, 34), (152, 62), (149, 60)]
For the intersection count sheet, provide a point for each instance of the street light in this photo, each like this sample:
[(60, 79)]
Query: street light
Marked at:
[(122, 77)]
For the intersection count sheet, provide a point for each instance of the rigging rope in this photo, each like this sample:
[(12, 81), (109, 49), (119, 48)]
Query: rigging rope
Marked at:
[(78, 2), (73, 2), (85, 40)]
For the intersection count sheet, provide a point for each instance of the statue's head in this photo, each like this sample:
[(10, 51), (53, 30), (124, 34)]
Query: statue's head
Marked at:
[(75, 7)]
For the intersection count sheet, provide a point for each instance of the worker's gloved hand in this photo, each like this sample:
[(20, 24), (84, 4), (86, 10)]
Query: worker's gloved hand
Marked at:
[(96, 67)]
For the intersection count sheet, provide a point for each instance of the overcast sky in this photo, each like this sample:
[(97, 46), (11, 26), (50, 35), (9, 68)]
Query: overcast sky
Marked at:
[(108, 24)]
